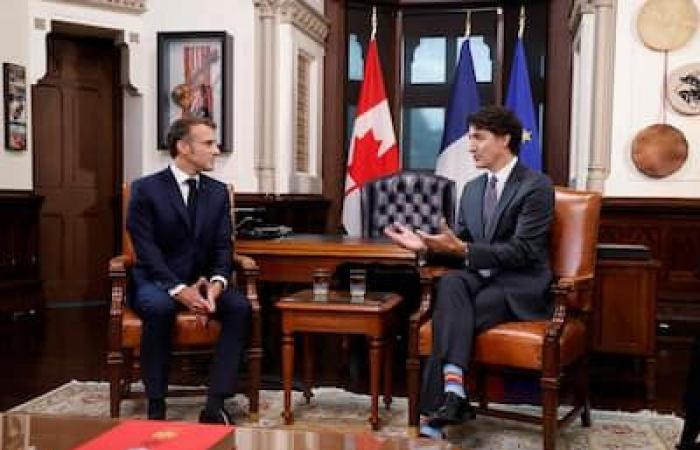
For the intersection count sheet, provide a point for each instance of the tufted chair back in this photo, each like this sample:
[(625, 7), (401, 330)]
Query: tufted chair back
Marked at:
[(415, 198)]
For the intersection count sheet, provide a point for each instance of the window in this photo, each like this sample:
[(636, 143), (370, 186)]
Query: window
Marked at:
[(432, 44)]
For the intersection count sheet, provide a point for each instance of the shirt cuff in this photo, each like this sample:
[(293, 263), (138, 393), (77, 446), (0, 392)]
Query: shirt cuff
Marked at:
[(219, 278), (176, 290)]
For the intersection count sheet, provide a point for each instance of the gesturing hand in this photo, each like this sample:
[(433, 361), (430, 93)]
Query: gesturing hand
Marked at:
[(405, 237), (444, 242)]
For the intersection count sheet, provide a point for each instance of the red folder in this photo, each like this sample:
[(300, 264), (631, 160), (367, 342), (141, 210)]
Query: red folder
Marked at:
[(162, 435)]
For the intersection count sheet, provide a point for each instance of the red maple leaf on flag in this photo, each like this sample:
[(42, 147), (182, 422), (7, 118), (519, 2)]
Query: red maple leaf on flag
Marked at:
[(366, 163)]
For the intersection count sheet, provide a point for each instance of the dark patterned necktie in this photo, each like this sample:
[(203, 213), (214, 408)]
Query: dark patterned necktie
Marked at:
[(490, 200), (192, 200)]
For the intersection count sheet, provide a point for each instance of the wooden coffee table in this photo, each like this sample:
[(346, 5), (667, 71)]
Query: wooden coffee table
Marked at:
[(372, 318)]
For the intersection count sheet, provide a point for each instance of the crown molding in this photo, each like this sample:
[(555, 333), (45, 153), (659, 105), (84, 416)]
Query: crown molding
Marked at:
[(132, 6), (297, 12)]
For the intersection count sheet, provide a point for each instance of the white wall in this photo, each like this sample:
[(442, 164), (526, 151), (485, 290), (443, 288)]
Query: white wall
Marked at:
[(638, 102), (15, 166), (22, 43), (237, 17)]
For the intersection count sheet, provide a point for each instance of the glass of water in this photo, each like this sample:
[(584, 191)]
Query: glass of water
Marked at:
[(358, 285), (321, 282)]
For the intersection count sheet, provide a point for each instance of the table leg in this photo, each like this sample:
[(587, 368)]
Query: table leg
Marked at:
[(308, 367), (375, 366), (388, 372), (287, 375)]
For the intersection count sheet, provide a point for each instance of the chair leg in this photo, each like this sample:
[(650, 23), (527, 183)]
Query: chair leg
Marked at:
[(413, 386), (254, 367), (550, 404), (584, 393), (115, 362)]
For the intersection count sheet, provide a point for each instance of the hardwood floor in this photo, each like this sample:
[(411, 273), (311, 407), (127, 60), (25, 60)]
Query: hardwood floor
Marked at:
[(41, 353)]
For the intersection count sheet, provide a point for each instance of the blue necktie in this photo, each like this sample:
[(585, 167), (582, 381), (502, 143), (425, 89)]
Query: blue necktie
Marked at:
[(490, 201), (192, 200)]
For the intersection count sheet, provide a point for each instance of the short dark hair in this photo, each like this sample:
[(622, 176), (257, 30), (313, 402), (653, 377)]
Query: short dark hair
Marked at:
[(501, 122), (181, 128)]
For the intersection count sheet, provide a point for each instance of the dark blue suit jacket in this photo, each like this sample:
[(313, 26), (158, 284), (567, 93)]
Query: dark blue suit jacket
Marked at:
[(515, 246), (169, 251)]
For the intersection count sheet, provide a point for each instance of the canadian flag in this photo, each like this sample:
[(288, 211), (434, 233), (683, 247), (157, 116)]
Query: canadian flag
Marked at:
[(373, 150)]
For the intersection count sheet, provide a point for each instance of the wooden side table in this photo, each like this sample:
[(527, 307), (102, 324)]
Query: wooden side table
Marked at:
[(372, 318), (624, 315)]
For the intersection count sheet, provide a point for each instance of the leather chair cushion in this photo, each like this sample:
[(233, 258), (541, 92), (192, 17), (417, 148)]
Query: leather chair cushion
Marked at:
[(187, 332), (517, 344)]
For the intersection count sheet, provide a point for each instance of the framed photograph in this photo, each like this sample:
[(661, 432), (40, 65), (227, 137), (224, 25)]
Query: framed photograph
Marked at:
[(15, 102), (194, 79)]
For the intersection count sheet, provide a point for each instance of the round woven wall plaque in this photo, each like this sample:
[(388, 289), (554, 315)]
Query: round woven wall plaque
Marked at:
[(667, 24), (683, 89), (659, 150)]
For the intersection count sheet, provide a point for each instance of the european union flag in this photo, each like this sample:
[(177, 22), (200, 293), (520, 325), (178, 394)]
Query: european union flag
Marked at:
[(519, 101), (454, 160)]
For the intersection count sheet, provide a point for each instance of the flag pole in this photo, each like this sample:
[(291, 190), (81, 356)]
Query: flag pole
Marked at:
[(374, 23), (521, 25), (468, 25)]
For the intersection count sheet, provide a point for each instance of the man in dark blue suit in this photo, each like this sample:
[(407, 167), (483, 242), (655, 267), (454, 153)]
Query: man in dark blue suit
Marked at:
[(502, 244), (180, 225)]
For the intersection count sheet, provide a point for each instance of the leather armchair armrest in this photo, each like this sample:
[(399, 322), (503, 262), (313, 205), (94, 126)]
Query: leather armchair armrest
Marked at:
[(119, 265), (571, 294), (566, 285)]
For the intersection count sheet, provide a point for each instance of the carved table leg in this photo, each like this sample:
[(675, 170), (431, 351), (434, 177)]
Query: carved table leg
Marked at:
[(308, 367), (375, 359), (388, 372), (287, 375)]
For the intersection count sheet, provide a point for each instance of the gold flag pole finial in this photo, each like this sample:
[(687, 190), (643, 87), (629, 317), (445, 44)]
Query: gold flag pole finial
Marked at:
[(521, 26), (374, 23), (468, 25)]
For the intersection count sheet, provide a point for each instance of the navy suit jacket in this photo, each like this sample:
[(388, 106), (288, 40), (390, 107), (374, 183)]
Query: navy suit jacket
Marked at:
[(169, 251), (515, 246)]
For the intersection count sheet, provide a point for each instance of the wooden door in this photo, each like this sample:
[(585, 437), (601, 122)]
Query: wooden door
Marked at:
[(77, 165)]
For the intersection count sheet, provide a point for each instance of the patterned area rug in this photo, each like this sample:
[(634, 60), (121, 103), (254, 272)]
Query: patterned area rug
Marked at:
[(333, 408)]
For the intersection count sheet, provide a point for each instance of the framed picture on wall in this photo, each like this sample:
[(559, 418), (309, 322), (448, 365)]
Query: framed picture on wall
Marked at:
[(194, 80), (15, 102)]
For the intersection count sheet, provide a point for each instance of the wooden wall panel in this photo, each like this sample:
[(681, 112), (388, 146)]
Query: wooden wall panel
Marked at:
[(671, 229)]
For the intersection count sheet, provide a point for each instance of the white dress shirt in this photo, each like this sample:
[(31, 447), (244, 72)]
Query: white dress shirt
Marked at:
[(181, 178), (501, 178)]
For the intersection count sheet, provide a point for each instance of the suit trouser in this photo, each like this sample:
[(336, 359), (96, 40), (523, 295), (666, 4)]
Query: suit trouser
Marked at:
[(466, 304), (157, 311)]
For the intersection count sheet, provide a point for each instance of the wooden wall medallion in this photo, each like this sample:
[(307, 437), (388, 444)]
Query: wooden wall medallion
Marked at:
[(659, 150), (667, 24)]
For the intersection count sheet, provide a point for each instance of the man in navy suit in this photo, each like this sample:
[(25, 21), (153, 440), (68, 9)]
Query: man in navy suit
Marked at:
[(502, 244), (180, 225)]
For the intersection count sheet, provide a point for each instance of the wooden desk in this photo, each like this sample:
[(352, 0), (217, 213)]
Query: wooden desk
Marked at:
[(294, 258), (372, 318)]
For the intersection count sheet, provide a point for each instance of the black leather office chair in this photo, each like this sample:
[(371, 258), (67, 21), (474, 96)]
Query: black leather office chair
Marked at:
[(415, 198)]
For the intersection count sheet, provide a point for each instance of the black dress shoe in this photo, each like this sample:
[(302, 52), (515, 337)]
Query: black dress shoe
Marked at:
[(220, 416), (454, 410), (156, 409)]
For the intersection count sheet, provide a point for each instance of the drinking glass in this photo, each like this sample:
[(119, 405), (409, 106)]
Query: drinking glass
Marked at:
[(358, 285)]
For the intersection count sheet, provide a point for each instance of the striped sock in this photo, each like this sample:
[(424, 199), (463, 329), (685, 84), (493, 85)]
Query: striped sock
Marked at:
[(428, 431), (454, 379)]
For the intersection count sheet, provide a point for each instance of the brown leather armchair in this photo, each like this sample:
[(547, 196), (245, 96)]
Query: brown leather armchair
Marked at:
[(548, 349), (125, 329)]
